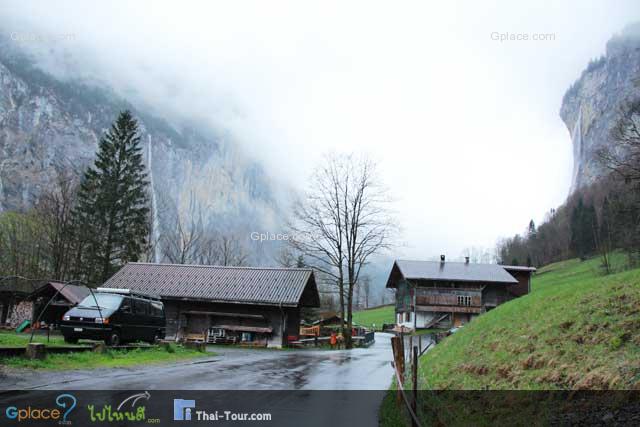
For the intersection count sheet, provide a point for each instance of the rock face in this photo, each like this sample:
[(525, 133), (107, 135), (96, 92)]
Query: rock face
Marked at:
[(48, 126), (590, 106)]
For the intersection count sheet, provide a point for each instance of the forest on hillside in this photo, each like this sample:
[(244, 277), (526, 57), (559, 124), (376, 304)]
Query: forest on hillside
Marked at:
[(595, 219)]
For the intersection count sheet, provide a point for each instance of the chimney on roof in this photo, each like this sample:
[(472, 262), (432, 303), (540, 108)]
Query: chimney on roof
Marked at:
[(441, 258), (466, 260)]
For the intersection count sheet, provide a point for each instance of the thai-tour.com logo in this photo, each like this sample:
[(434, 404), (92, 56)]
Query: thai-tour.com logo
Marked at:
[(185, 410), (64, 405), (182, 409)]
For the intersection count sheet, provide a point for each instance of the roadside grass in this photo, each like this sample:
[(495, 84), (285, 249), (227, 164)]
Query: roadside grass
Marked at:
[(377, 316), (108, 359), (577, 329), (14, 339)]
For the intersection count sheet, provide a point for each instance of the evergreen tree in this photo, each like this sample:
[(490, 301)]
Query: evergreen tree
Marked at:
[(604, 238), (300, 262), (583, 224), (113, 204), (532, 230), (576, 214), (590, 229)]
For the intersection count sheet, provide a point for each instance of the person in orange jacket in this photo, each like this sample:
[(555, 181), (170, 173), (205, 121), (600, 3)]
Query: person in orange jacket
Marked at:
[(333, 340)]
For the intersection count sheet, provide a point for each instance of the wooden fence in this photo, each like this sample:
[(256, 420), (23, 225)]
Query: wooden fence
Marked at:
[(412, 353)]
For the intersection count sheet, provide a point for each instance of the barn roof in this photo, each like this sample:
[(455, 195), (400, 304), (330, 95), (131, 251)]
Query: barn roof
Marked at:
[(72, 293), (249, 285), (448, 271), (518, 268)]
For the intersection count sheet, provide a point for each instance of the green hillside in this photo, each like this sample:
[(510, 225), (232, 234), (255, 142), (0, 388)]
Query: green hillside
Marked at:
[(374, 316), (578, 329)]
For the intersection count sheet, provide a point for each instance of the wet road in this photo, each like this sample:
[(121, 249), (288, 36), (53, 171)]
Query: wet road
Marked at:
[(266, 373), (232, 369)]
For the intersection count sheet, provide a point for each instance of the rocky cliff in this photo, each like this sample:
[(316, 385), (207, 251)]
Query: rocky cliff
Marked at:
[(48, 126), (590, 106)]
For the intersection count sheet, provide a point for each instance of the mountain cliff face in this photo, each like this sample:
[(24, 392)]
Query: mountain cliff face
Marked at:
[(590, 106), (48, 126)]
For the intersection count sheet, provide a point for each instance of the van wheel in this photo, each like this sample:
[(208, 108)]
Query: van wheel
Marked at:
[(70, 340), (114, 339)]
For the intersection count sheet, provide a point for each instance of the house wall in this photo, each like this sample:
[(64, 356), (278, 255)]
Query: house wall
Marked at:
[(404, 297), (401, 318), (423, 318), (496, 294), (284, 321), (523, 278)]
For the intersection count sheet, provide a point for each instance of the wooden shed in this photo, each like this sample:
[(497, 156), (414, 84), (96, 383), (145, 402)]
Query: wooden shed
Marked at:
[(65, 296), (225, 304)]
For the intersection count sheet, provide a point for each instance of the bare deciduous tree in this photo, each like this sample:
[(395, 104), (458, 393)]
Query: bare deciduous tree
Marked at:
[(622, 154), (342, 221), (366, 289), (181, 245), (54, 210), (226, 250)]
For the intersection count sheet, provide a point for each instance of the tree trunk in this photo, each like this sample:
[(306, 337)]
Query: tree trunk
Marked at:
[(348, 339), (342, 311)]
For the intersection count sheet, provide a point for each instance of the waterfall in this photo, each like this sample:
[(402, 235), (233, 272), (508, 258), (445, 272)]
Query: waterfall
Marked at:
[(576, 139), (155, 230)]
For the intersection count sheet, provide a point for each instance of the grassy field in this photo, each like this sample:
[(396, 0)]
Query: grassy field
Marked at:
[(375, 316), (88, 359), (109, 359), (13, 339), (578, 329)]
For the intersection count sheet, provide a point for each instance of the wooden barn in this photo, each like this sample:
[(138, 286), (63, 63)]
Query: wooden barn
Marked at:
[(257, 306), (18, 305), (443, 294), (60, 298)]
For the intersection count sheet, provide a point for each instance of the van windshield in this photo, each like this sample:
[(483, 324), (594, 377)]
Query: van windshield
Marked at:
[(108, 301)]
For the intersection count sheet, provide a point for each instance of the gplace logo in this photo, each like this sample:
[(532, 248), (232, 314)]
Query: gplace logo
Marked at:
[(182, 409), (65, 401)]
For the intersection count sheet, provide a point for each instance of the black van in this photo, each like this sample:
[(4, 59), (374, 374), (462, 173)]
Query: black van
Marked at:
[(115, 316)]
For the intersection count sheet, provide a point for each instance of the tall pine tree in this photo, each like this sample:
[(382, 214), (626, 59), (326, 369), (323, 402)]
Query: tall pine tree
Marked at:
[(113, 204), (583, 227)]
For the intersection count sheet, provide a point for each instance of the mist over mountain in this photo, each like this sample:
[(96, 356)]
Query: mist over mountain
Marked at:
[(590, 106), (50, 125)]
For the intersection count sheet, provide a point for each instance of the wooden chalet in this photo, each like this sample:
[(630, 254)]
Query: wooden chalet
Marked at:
[(256, 306), (442, 294)]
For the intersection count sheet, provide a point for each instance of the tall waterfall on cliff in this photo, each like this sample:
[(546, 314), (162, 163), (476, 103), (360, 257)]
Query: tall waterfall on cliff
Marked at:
[(155, 231), (576, 137)]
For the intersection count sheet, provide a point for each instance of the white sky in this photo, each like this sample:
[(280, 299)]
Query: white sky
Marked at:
[(465, 129)]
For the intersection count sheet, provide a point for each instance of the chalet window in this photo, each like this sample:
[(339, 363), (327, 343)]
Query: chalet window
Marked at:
[(407, 317), (464, 300)]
